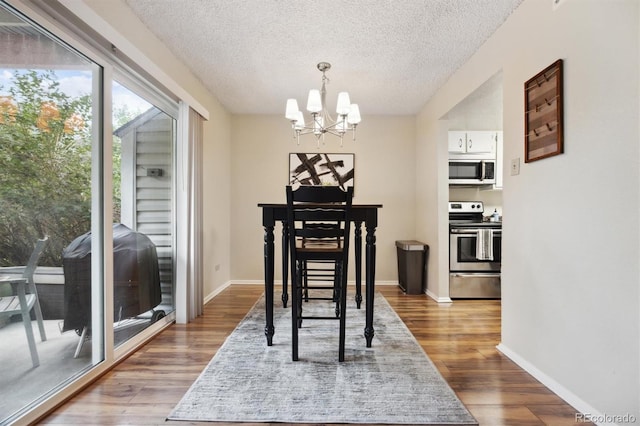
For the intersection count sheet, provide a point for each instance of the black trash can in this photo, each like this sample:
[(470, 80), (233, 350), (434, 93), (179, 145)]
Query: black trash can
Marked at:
[(412, 266)]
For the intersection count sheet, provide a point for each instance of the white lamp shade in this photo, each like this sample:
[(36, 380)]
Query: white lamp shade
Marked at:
[(314, 103), (354, 114), (299, 124), (292, 110), (343, 103)]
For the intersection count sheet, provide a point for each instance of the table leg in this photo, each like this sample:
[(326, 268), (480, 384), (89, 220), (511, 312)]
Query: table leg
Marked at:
[(285, 262), (358, 262), (268, 282), (370, 283)]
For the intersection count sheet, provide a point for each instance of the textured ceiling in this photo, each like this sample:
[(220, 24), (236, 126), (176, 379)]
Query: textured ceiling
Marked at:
[(391, 56)]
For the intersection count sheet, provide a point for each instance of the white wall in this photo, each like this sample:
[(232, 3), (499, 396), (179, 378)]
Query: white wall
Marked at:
[(570, 282), (384, 174), (432, 196)]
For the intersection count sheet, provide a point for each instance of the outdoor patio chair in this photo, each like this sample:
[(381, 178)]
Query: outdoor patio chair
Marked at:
[(25, 299)]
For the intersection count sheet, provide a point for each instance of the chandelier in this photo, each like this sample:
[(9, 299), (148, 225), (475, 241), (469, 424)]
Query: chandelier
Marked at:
[(347, 114)]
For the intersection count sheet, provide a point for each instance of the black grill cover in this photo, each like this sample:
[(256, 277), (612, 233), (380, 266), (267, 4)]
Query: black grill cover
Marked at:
[(135, 273)]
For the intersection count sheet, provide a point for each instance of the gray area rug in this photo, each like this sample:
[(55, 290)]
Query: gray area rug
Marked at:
[(393, 382)]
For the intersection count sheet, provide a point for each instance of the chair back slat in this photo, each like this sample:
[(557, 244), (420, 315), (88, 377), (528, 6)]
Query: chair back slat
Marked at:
[(319, 233)]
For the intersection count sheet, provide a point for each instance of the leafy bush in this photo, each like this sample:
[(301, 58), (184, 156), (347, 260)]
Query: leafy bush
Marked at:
[(45, 168)]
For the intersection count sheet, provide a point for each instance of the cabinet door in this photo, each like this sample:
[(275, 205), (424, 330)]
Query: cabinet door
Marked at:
[(457, 141), (481, 142)]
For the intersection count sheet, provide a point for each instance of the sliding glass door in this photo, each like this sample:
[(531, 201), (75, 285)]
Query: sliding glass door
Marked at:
[(98, 300), (143, 216), (50, 151)]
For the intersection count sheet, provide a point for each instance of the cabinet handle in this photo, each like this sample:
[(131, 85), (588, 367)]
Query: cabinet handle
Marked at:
[(460, 142), (470, 144), (475, 275)]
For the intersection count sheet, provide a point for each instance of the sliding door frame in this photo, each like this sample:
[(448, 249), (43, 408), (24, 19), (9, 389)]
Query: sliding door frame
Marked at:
[(105, 356)]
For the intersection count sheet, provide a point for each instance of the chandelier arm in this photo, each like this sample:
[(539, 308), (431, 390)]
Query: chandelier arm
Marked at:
[(330, 130)]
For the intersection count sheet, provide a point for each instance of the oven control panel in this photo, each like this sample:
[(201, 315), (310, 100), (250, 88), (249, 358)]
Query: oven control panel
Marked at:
[(466, 207)]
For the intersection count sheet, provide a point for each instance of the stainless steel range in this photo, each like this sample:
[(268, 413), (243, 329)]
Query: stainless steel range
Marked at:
[(475, 252)]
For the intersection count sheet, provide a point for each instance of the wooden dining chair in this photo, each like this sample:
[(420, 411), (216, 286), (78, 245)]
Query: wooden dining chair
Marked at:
[(329, 242), (25, 299)]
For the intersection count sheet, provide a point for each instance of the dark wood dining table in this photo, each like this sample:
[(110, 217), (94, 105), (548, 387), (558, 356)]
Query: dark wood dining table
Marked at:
[(361, 213)]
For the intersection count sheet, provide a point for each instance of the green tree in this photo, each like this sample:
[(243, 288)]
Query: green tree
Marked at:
[(45, 167)]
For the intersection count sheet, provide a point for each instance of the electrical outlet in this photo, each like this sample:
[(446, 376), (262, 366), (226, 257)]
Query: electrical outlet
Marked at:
[(515, 166)]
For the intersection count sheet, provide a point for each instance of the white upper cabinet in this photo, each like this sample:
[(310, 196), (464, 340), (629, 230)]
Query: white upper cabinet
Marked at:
[(457, 141), (473, 142), (481, 141)]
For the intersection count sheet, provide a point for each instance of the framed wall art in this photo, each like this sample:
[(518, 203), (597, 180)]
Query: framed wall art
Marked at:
[(543, 114), (321, 169)]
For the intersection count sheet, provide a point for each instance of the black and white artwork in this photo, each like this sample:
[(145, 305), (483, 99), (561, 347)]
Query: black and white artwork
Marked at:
[(321, 169)]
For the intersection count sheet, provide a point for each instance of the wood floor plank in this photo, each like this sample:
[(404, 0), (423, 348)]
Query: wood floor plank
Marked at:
[(460, 338)]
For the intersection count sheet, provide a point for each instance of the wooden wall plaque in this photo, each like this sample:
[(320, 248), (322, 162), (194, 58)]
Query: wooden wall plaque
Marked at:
[(543, 114)]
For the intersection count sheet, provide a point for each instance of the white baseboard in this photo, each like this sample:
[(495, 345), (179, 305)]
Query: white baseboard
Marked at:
[(582, 408), (439, 299), (278, 284), (379, 283), (217, 291), (253, 282)]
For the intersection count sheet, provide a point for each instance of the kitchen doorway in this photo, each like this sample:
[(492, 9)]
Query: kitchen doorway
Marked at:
[(478, 115)]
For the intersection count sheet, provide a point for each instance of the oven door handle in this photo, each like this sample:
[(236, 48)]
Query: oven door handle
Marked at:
[(472, 231), (475, 274)]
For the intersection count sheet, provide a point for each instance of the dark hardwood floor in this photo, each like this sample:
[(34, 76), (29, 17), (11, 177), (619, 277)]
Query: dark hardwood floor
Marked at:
[(460, 338)]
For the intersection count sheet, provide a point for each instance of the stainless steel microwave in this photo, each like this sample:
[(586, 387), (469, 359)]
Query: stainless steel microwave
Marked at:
[(472, 171)]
